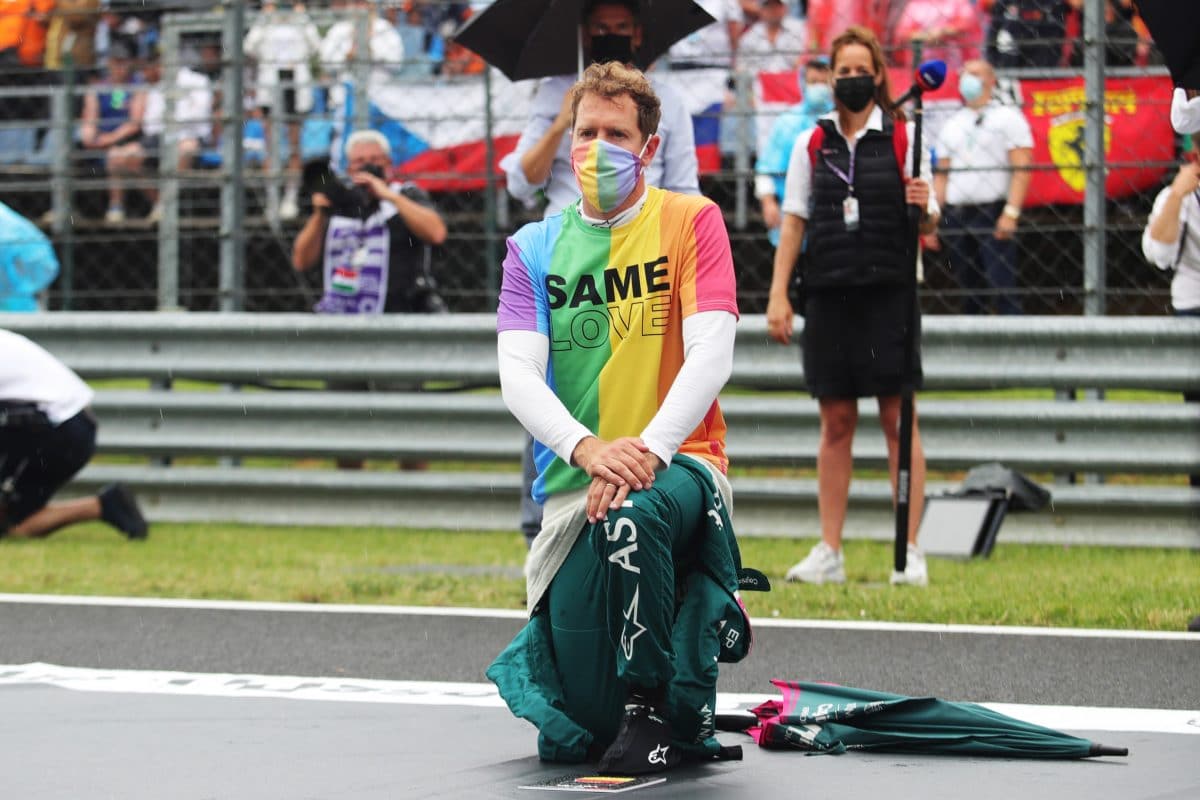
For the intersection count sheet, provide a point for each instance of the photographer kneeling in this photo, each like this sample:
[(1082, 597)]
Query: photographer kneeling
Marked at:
[(48, 434), (373, 239)]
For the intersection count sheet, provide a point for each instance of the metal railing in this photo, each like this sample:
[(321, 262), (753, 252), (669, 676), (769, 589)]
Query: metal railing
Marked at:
[(769, 430)]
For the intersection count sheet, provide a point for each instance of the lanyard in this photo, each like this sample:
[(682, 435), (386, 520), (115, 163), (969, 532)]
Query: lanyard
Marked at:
[(847, 179)]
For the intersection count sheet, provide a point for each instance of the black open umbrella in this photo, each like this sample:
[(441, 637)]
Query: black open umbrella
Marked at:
[(540, 38), (1173, 26)]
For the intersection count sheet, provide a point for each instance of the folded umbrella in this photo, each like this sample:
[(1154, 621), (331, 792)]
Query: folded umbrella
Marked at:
[(540, 38), (826, 718)]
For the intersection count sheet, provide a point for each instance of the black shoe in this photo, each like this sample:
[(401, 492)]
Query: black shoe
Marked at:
[(643, 744), (119, 509), (1194, 624)]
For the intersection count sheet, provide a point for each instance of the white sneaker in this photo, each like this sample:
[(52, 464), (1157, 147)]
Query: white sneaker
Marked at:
[(823, 564), (289, 207), (115, 215), (915, 573)]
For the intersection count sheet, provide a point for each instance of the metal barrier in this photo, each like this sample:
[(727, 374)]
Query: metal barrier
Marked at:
[(958, 352), (772, 429)]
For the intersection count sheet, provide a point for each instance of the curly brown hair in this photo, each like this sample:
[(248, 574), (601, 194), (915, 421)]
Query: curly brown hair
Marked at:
[(613, 79)]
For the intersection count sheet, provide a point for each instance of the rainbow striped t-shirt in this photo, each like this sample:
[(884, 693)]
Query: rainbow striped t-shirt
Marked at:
[(612, 302)]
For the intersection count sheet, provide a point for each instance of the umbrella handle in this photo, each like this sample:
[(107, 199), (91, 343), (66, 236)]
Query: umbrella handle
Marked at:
[(736, 721), (1105, 750)]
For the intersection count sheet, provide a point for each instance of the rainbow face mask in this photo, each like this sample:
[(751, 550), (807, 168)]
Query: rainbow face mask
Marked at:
[(607, 174)]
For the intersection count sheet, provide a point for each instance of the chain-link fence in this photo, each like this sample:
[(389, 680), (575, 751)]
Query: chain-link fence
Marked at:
[(116, 140)]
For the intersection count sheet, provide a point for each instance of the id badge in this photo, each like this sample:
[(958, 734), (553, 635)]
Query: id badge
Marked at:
[(850, 212)]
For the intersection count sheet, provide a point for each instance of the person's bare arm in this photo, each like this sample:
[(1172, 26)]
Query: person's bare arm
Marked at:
[(424, 222), (1164, 227), (306, 250), (1019, 159), (779, 305), (89, 119)]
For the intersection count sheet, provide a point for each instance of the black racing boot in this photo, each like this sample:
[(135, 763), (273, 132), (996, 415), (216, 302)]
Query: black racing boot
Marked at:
[(643, 742)]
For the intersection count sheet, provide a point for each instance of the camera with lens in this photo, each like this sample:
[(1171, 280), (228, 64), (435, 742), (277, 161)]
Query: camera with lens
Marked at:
[(346, 198)]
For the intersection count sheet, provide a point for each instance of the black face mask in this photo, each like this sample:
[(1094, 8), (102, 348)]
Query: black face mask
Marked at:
[(612, 47), (855, 93)]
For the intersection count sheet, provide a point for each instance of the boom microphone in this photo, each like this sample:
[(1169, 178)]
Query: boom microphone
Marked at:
[(930, 76)]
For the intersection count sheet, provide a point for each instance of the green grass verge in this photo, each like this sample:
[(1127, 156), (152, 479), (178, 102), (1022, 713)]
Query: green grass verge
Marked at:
[(1135, 589)]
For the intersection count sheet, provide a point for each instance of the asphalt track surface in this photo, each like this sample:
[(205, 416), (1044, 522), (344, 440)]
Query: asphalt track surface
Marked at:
[(104, 722)]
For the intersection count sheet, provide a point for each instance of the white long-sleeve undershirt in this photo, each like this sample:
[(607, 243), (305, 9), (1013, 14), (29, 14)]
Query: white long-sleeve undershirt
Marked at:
[(708, 338)]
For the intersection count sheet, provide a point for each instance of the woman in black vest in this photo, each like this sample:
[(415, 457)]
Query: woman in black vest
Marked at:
[(851, 200)]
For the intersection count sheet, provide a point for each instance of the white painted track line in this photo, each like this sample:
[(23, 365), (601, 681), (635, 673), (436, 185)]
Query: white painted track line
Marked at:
[(492, 613)]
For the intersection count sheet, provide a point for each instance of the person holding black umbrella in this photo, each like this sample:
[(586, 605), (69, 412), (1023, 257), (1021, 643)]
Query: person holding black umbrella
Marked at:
[(848, 190), (541, 162)]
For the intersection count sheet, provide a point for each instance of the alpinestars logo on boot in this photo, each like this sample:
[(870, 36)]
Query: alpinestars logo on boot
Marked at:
[(659, 754)]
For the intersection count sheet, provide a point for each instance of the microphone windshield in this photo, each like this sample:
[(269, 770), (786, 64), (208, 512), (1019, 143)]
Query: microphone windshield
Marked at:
[(931, 75)]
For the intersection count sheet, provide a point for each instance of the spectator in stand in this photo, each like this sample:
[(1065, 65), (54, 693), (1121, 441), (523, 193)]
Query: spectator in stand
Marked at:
[(23, 34), (816, 100), (339, 51), (456, 59), (22, 48), (1171, 241), (112, 123), (283, 44), (48, 434), (1027, 33), (541, 160), (984, 152), (828, 18), (774, 43), (715, 45), (193, 116), (135, 33), (72, 32), (1121, 40), (461, 61), (950, 30), (417, 39)]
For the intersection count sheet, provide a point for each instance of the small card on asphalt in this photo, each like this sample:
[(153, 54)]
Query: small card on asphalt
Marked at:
[(608, 784)]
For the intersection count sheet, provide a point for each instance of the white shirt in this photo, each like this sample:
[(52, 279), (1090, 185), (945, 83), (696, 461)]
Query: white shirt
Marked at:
[(387, 54), (193, 107), (283, 41), (673, 167), (756, 53), (1183, 257), (797, 188), (977, 143), (28, 373)]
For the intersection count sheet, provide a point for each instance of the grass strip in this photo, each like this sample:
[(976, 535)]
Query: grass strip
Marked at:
[(1039, 585)]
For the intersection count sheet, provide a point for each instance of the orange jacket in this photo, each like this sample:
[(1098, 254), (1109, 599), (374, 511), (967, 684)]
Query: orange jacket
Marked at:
[(23, 26)]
